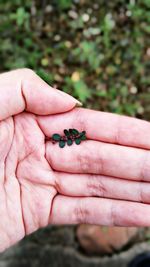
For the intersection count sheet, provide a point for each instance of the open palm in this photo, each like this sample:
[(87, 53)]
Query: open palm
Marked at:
[(27, 184), (104, 180)]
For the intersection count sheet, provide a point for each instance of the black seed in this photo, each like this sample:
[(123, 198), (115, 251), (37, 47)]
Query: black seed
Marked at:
[(62, 143), (75, 132), (69, 142), (77, 141), (66, 132), (56, 137)]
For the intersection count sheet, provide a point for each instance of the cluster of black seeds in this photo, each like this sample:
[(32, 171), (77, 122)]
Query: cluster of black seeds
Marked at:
[(70, 136)]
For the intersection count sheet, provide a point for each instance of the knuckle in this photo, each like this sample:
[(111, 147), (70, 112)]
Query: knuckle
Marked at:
[(78, 117), (84, 161), (89, 160), (144, 193), (145, 170), (28, 71), (118, 132), (113, 216), (81, 212), (141, 196), (58, 183), (95, 186)]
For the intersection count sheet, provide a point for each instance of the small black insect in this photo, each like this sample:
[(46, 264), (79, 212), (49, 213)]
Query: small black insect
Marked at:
[(70, 136)]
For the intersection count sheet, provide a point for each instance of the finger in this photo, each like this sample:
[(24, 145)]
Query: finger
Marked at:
[(100, 158), (23, 90), (101, 126), (100, 211), (86, 185)]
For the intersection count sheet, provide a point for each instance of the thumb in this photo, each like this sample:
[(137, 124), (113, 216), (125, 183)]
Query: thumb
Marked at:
[(23, 90)]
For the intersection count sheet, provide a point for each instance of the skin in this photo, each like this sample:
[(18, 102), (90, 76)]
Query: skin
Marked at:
[(103, 181)]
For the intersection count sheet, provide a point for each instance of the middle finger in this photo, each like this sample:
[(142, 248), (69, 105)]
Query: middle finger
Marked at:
[(100, 158)]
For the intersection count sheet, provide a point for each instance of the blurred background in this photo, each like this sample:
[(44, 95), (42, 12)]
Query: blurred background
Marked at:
[(99, 52)]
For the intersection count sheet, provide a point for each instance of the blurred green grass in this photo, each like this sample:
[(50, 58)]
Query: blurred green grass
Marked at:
[(98, 51)]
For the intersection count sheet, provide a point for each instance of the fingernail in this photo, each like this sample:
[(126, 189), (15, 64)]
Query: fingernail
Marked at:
[(78, 104)]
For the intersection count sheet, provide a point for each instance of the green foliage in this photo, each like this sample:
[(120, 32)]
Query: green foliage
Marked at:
[(63, 4), (21, 17), (69, 142), (98, 51), (82, 135), (66, 132), (56, 137), (88, 52), (81, 90), (106, 27), (62, 143), (73, 131), (77, 141)]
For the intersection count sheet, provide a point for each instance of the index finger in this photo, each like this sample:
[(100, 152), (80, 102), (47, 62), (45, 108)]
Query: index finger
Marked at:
[(100, 126)]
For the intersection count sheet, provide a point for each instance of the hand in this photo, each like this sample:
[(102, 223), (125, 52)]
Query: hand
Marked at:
[(26, 179), (102, 181), (106, 179)]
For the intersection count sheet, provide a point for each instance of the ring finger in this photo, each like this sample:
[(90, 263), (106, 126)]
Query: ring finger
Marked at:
[(88, 185)]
